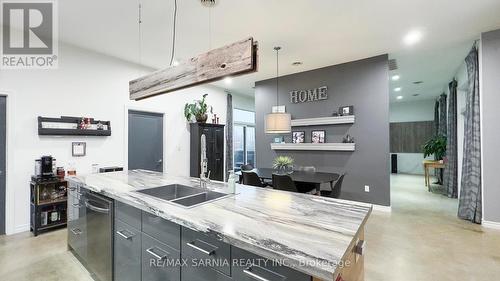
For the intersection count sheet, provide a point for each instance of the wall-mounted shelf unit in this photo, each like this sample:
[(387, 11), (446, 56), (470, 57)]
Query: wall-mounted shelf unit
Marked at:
[(69, 126), (314, 146), (332, 120)]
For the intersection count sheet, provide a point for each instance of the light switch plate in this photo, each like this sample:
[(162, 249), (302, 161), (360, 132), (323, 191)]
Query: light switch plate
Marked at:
[(367, 188)]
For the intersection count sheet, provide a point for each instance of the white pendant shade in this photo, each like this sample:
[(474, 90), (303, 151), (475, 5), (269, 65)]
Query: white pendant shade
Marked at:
[(278, 123)]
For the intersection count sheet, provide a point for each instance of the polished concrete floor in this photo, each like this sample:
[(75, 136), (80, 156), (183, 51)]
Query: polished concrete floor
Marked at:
[(420, 240)]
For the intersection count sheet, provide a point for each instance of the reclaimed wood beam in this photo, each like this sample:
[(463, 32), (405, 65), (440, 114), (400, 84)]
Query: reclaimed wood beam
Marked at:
[(235, 59)]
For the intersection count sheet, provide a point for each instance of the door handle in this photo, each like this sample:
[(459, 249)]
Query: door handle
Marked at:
[(160, 161), (158, 257), (95, 208), (124, 235), (248, 271), (199, 249)]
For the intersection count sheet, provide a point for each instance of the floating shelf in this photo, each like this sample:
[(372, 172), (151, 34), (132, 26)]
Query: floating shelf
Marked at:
[(314, 146), (333, 120), (68, 126)]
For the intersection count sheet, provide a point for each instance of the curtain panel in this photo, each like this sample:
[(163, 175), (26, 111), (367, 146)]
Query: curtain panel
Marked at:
[(450, 179), (470, 202), (229, 135)]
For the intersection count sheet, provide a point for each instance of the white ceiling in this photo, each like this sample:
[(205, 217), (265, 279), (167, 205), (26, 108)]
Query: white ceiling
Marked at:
[(319, 33)]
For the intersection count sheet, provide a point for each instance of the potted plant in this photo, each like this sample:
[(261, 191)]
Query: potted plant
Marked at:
[(436, 146), (283, 164), (198, 110)]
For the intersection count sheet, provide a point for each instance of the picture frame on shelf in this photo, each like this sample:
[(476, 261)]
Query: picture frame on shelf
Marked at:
[(298, 136), (278, 140), (79, 149), (346, 110), (318, 136)]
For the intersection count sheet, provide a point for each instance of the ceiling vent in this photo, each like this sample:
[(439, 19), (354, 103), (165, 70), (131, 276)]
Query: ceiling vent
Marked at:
[(208, 3), (418, 82), (393, 64)]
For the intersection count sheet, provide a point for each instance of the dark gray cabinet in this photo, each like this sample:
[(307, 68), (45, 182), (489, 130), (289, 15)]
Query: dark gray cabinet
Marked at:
[(159, 261), (127, 252), (214, 134), (156, 248), (77, 225)]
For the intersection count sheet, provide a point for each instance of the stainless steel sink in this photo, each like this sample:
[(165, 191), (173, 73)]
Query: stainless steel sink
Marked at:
[(198, 199), (183, 195)]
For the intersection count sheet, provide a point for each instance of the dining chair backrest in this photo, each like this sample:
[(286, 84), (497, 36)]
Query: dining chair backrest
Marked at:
[(251, 178), (284, 182), (246, 167), (337, 187)]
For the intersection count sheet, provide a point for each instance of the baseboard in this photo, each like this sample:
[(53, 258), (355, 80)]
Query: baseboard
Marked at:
[(491, 224), (20, 228), (381, 208)]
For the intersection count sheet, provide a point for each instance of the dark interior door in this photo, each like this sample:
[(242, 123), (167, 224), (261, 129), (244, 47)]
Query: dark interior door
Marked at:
[(145, 141), (3, 115)]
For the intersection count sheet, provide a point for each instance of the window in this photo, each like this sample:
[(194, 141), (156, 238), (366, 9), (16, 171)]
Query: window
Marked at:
[(243, 138)]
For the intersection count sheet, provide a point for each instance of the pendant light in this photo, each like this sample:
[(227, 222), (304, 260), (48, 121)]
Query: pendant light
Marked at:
[(278, 122)]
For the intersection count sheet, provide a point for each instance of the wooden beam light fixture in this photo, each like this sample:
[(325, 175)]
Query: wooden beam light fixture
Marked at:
[(231, 60)]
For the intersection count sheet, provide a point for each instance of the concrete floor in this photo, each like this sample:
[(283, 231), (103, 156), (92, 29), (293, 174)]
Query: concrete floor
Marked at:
[(421, 240)]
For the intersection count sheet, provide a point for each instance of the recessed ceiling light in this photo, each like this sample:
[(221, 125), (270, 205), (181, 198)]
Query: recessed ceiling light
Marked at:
[(297, 63), (412, 37), (395, 77), (398, 89), (228, 80), (399, 97)]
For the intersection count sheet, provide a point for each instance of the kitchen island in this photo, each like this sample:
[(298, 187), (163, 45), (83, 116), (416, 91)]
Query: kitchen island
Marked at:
[(315, 238)]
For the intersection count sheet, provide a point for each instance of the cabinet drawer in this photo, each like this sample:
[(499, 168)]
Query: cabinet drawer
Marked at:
[(162, 230), (262, 269), (128, 214), (127, 252), (196, 245), (159, 261), (190, 273)]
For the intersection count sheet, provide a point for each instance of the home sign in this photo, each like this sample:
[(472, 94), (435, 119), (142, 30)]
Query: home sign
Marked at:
[(317, 94)]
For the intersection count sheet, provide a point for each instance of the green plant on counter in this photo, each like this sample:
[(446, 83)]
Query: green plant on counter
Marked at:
[(282, 162), (198, 110), (436, 146)]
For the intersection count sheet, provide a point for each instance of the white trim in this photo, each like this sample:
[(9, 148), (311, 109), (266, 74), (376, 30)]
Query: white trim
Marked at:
[(128, 107), (21, 228), (10, 192), (380, 208), (491, 224)]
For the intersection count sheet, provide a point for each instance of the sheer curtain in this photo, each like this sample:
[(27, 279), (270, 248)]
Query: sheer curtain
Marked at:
[(470, 204), (229, 135), (450, 179)]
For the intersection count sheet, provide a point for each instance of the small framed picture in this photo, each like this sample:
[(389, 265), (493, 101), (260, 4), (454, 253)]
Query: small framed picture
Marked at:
[(318, 136), (278, 140), (79, 149), (298, 137), (346, 110)]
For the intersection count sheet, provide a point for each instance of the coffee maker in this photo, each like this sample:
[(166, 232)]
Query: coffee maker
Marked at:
[(44, 167)]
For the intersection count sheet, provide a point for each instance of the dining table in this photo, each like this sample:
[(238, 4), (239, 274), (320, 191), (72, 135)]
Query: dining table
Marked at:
[(298, 176)]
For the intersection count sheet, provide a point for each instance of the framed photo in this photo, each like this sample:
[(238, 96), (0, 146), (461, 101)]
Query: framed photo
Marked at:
[(278, 140), (346, 110), (298, 137), (79, 149), (318, 137)]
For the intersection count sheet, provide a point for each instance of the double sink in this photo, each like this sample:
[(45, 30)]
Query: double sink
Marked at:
[(183, 195)]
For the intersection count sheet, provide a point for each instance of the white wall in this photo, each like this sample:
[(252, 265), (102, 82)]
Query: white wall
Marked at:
[(412, 111), (86, 84), (244, 102)]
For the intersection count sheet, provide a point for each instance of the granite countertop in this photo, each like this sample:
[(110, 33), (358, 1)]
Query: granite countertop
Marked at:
[(312, 233)]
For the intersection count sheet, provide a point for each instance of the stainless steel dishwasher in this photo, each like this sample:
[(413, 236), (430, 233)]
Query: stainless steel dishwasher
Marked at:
[(99, 246)]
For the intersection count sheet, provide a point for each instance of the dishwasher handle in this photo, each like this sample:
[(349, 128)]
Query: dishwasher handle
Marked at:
[(95, 208)]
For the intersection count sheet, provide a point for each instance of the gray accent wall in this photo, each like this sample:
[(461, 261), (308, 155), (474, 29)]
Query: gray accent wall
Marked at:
[(490, 102), (363, 84)]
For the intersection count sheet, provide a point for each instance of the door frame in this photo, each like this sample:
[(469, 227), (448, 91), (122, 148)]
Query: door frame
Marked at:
[(10, 228), (145, 109)]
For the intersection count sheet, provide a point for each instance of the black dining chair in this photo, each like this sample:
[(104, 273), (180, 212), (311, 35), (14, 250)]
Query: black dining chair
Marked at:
[(246, 167), (284, 182), (335, 192), (251, 178)]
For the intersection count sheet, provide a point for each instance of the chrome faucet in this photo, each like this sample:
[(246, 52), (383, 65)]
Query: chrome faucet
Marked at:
[(204, 178)]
